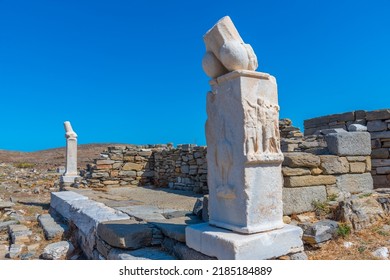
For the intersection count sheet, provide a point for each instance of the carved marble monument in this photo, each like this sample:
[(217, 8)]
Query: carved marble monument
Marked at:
[(71, 155), (243, 156)]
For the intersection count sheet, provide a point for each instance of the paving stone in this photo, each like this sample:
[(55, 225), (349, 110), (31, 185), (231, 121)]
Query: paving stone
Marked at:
[(300, 200), (349, 143), (144, 212), (175, 228), (140, 254), (57, 251), (50, 227), (126, 234)]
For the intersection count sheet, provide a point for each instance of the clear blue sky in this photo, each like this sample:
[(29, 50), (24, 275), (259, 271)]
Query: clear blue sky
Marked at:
[(130, 71)]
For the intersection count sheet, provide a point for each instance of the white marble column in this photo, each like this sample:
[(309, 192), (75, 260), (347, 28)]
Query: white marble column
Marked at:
[(71, 172)]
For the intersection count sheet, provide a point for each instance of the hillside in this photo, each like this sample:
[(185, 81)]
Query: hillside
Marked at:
[(53, 158)]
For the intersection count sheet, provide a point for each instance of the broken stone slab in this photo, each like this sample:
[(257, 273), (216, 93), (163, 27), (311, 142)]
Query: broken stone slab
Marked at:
[(349, 143), (227, 245), (175, 228), (140, 254), (145, 212), (355, 183), (58, 250), (15, 250), (300, 200), (4, 225), (50, 227), (61, 202), (126, 234), (318, 232), (6, 204), (19, 234), (205, 209)]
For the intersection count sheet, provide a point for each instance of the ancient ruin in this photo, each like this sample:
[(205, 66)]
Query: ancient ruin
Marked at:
[(71, 155)]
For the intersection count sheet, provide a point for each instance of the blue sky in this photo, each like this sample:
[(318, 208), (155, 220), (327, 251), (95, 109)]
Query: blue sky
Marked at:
[(130, 71)]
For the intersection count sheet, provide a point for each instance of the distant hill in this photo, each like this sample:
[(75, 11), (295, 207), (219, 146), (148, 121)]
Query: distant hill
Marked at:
[(53, 158)]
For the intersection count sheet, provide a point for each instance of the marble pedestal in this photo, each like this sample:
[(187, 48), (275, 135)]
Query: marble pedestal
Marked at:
[(228, 245)]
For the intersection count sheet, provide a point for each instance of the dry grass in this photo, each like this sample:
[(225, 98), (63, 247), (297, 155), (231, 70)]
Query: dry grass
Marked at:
[(364, 243)]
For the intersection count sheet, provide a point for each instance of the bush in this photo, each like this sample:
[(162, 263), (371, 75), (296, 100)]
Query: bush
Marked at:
[(343, 230), (24, 165)]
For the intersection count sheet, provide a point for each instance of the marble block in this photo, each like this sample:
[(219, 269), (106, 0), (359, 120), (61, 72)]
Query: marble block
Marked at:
[(227, 245), (244, 157)]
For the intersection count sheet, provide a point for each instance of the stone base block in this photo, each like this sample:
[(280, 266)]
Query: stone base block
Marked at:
[(66, 179), (228, 245)]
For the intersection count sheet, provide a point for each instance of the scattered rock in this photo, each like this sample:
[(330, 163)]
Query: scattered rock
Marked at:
[(19, 234), (347, 244), (15, 250), (298, 256), (382, 253), (198, 207), (318, 232), (57, 251), (286, 219)]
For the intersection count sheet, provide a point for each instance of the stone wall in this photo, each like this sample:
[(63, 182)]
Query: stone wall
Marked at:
[(378, 125), (183, 168)]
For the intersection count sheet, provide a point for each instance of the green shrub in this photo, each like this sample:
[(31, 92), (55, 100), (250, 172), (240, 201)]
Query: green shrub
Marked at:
[(343, 230), (24, 165)]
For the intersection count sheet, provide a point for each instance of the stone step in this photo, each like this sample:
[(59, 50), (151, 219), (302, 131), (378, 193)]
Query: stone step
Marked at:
[(19, 234), (51, 228), (175, 228), (145, 212)]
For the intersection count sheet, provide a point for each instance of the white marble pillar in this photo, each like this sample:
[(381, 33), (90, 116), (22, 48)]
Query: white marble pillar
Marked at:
[(243, 156), (71, 172)]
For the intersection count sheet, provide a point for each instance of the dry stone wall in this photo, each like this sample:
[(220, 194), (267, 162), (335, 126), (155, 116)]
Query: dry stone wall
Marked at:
[(378, 125), (183, 168)]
